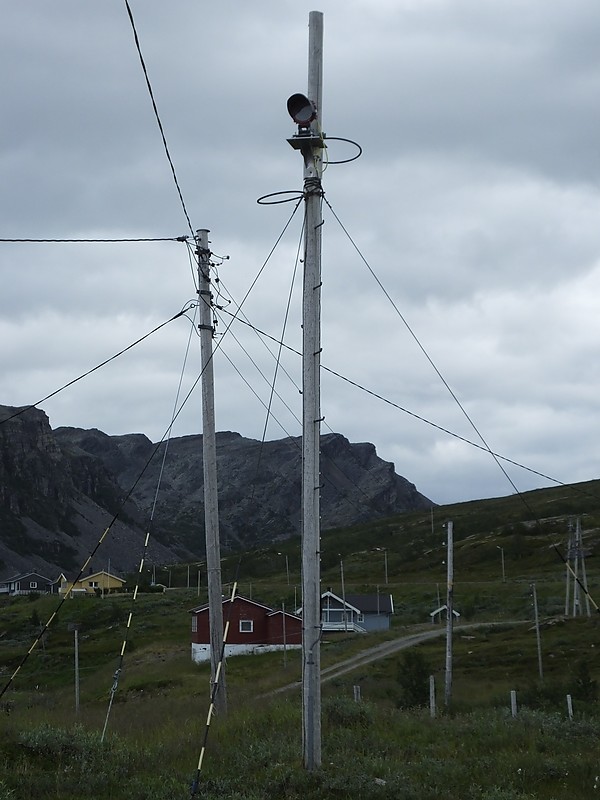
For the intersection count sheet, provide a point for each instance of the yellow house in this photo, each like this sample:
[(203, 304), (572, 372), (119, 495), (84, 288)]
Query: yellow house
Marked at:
[(102, 583)]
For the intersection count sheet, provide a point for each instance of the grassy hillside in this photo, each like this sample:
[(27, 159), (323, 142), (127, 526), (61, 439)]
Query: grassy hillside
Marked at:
[(375, 748)]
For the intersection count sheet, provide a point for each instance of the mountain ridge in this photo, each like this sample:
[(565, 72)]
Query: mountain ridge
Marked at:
[(59, 489)]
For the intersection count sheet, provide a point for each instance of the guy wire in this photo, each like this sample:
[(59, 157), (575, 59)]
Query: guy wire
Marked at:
[(486, 446), (214, 689), (97, 367), (102, 537), (119, 669)]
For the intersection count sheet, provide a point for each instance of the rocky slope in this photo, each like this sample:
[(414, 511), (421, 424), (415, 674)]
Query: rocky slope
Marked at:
[(55, 505), (59, 489)]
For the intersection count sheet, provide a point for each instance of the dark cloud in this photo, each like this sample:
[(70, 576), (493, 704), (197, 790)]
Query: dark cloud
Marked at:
[(475, 203)]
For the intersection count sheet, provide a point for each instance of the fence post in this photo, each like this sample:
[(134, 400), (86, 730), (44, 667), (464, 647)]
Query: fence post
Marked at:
[(513, 702), (356, 693), (432, 696), (570, 706)]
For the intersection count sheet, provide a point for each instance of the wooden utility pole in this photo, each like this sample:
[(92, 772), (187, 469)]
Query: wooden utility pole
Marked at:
[(344, 614), (74, 626), (306, 111), (284, 635), (576, 603), (209, 455), (450, 612), (568, 567), (537, 631), (579, 537)]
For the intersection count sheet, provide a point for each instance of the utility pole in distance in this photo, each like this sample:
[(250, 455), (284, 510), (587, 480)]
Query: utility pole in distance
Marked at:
[(306, 111), (344, 612), (450, 611), (209, 456), (537, 631), (74, 626), (502, 562)]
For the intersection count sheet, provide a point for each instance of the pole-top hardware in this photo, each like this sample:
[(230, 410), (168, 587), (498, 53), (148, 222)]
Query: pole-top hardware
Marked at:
[(303, 111)]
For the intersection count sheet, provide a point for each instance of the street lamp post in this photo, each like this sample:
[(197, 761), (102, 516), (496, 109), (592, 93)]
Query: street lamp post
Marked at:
[(287, 566)]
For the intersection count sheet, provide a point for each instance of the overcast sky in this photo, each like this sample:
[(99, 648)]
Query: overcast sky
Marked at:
[(476, 202)]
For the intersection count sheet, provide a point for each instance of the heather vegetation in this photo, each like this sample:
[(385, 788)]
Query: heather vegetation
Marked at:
[(385, 746)]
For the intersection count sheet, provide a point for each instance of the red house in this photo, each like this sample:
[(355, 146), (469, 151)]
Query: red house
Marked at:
[(253, 628)]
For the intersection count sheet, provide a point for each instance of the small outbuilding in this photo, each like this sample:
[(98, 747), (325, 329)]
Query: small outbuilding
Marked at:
[(439, 611), (253, 628)]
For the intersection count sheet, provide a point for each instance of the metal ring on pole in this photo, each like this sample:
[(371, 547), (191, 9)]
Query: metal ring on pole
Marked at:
[(350, 141), (295, 195)]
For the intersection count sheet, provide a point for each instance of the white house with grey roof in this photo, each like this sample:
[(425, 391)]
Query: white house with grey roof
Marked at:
[(360, 613)]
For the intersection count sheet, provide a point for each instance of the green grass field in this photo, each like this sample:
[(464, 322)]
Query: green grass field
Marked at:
[(377, 748)]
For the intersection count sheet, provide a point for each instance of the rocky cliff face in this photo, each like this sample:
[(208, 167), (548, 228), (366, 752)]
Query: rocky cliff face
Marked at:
[(54, 505), (259, 484), (59, 489)]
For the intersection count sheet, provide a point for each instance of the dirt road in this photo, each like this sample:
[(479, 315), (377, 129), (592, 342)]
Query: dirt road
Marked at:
[(389, 648)]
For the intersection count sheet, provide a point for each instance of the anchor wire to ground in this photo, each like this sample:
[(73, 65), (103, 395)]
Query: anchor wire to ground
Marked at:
[(421, 418), (100, 541), (486, 447), (142, 561), (213, 694), (278, 358), (97, 367), (157, 115)]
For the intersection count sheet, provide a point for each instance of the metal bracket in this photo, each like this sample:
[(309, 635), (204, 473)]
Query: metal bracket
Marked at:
[(305, 141)]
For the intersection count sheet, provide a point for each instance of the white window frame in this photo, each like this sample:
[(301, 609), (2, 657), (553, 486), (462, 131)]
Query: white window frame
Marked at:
[(246, 626), (33, 584), (194, 623)]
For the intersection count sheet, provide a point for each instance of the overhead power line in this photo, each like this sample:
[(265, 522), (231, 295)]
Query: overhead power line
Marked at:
[(97, 367), (407, 411), (437, 371), (156, 114), (98, 241)]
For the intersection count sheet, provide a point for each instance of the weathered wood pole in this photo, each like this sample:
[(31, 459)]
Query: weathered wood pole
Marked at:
[(209, 456)]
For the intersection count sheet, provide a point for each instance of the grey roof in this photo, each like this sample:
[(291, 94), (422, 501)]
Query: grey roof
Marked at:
[(363, 603), (372, 603), (23, 575)]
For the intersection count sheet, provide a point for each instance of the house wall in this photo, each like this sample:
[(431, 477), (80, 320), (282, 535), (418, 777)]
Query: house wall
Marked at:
[(332, 613), (201, 652), (376, 622), (240, 610), (24, 584), (292, 635), (91, 584), (267, 626)]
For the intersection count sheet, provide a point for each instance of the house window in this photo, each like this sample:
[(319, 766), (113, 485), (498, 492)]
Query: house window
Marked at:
[(93, 584), (361, 617), (246, 626), (33, 584), (194, 624)]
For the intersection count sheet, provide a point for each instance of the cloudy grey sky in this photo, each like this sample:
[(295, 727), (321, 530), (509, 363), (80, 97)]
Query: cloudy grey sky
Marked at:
[(476, 202)]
